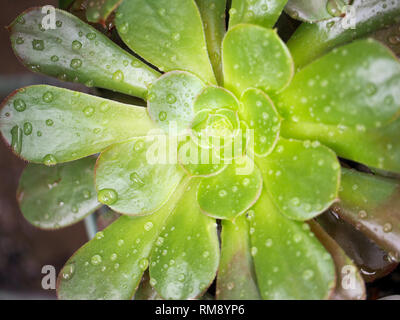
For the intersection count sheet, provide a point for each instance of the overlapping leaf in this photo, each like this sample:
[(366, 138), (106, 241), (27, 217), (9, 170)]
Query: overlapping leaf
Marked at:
[(74, 51), (49, 125)]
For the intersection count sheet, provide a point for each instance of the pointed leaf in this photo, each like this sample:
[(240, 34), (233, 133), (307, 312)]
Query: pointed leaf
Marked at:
[(236, 277), (365, 16), (213, 16), (372, 204), (301, 177), (259, 113), (262, 12), (99, 10), (231, 192), (168, 34), (342, 88), (349, 283), (74, 51), (290, 262), (316, 10), (49, 125), (185, 259), (375, 147), (52, 198), (111, 265), (245, 48), (135, 177), (171, 98)]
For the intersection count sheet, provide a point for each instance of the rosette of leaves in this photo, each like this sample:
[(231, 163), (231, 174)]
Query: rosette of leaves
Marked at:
[(240, 83)]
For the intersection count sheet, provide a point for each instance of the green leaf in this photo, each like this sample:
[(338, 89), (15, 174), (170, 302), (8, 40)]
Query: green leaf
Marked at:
[(212, 98), (245, 48), (198, 161), (261, 12), (137, 176), (49, 125), (52, 198), (342, 88), (313, 40), (301, 177), (349, 282), (231, 192), (111, 265), (171, 98), (99, 10), (236, 277), (213, 16), (316, 10), (372, 204), (260, 115), (168, 34), (375, 147), (74, 51), (185, 259), (290, 262)]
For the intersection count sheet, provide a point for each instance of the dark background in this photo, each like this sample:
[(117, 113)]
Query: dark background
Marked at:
[(24, 250)]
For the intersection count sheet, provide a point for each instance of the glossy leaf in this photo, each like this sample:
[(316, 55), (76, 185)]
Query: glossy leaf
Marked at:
[(99, 10), (259, 113), (213, 16), (236, 277), (74, 51), (49, 125), (301, 177), (185, 259), (342, 88), (198, 161), (168, 34), (212, 98), (375, 147), (316, 10), (245, 48), (261, 12), (290, 262), (372, 261), (231, 192), (52, 198), (171, 99), (313, 40), (372, 204), (137, 177), (111, 265), (349, 282)]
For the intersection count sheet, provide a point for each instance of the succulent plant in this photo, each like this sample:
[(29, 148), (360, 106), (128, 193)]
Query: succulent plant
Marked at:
[(227, 171)]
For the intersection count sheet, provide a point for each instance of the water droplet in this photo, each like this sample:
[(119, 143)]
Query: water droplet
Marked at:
[(143, 264), (19, 105), (222, 193), (171, 98), (48, 97), (135, 178), (108, 196), (19, 40), (206, 254), (38, 45), (91, 36), (120, 242), (27, 128), (96, 259), (49, 160), (308, 274), (269, 243), (76, 45), (254, 251), (124, 28), (76, 63), (113, 257), (162, 116), (49, 122), (104, 107), (99, 235), (362, 214), (16, 139), (118, 76), (68, 271), (335, 7), (148, 226), (88, 111), (153, 282), (387, 227)]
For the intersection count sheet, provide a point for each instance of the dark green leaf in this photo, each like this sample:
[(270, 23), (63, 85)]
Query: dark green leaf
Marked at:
[(52, 198)]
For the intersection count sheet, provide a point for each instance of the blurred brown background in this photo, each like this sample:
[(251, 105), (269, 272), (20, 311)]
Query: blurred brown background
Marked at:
[(24, 250)]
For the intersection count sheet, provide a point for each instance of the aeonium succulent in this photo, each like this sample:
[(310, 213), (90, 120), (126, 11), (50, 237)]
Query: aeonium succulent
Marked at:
[(232, 133)]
